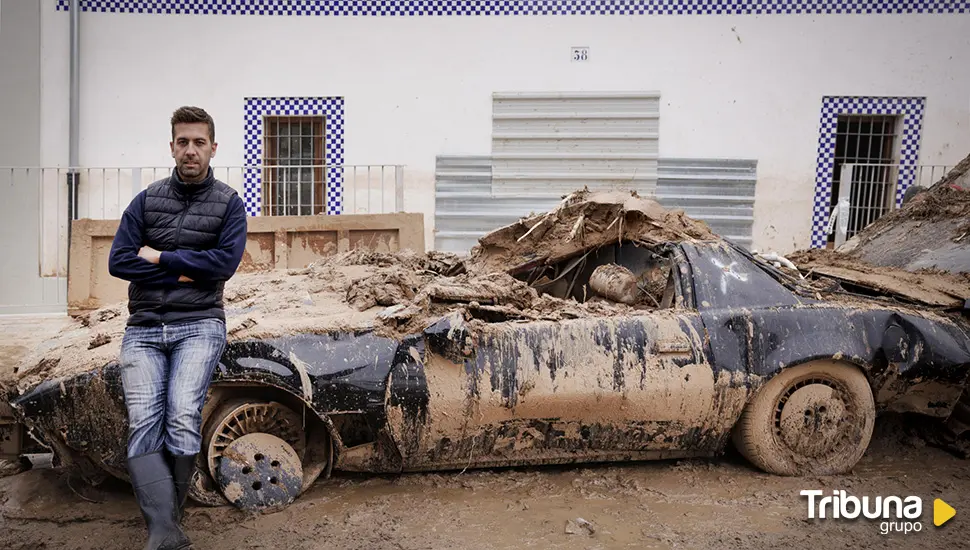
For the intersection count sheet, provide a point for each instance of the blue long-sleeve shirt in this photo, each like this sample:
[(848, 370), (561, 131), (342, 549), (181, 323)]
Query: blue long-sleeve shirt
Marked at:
[(216, 264)]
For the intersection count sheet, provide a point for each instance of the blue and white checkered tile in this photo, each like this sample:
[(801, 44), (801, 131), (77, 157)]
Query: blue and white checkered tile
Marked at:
[(332, 108), (911, 110), (412, 8)]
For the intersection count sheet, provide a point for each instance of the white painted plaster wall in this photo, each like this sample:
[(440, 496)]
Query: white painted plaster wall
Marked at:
[(732, 86), (22, 288)]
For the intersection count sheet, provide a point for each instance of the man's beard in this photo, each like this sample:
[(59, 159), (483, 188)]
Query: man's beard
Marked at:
[(191, 172)]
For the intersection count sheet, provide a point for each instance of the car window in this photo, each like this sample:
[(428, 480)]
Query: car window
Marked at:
[(724, 278), (635, 274)]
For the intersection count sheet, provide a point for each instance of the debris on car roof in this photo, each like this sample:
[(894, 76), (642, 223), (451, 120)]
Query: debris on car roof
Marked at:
[(928, 288), (583, 221)]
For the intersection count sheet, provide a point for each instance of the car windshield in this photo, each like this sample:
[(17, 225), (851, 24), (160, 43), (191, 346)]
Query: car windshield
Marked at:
[(790, 282), (726, 277)]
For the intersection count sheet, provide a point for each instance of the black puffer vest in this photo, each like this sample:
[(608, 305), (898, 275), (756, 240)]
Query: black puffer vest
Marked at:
[(181, 216)]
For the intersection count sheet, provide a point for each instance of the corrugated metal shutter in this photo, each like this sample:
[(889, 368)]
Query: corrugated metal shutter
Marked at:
[(717, 191), (557, 142), (463, 202)]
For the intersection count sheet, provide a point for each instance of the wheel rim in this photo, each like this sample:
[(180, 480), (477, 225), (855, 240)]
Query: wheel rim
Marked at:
[(260, 472), (814, 419), (239, 420)]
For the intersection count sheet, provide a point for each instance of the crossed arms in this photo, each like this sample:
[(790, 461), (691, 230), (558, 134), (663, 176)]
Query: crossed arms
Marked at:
[(132, 261)]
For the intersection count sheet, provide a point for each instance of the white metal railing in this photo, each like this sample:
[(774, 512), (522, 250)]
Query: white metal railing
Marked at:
[(869, 191), (103, 193), (45, 198)]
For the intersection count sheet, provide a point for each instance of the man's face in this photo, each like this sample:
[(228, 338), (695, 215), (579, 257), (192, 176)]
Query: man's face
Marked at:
[(192, 150)]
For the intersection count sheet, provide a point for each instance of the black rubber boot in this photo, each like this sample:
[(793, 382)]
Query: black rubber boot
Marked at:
[(151, 478), (183, 466)]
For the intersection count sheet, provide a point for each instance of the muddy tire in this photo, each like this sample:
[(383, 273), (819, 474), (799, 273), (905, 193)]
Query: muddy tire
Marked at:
[(812, 419), (234, 415)]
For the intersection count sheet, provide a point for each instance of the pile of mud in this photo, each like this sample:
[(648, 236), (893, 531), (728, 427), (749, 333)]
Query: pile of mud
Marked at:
[(959, 175), (349, 292), (583, 221), (401, 293), (257, 304), (930, 231), (946, 199), (930, 288)]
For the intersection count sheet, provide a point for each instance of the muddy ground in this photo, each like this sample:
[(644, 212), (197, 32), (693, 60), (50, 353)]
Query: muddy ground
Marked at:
[(717, 503)]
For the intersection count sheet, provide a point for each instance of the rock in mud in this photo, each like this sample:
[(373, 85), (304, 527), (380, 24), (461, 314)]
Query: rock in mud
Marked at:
[(99, 340), (388, 287), (579, 526)]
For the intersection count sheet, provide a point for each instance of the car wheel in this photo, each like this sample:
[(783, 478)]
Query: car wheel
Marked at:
[(230, 421), (812, 419), (239, 417)]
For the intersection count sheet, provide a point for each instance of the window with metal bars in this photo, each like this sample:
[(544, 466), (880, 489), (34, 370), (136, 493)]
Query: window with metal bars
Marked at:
[(868, 140), (293, 162)]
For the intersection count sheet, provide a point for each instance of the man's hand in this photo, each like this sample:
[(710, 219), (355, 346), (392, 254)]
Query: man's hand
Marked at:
[(150, 254), (153, 256)]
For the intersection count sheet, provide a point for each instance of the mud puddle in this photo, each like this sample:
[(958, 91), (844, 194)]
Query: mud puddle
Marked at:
[(716, 503)]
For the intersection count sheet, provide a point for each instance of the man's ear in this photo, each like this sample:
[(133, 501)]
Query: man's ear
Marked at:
[(171, 145), (214, 147)]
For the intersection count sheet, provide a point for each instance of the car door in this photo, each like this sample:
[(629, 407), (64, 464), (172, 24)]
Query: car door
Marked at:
[(595, 388)]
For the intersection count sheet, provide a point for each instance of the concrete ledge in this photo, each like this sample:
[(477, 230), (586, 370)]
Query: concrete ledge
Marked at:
[(273, 242)]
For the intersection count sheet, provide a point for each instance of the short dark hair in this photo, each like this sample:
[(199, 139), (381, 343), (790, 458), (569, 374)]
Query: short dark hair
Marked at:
[(189, 115)]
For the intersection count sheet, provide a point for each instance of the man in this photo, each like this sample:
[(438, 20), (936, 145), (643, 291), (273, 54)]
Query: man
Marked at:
[(178, 242)]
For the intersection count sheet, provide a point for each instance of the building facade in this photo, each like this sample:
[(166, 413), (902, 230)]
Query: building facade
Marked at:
[(801, 88)]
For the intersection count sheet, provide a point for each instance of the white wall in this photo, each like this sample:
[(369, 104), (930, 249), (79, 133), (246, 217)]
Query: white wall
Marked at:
[(22, 289), (732, 86)]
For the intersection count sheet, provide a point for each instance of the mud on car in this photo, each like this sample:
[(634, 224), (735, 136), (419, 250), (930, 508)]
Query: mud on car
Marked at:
[(731, 350)]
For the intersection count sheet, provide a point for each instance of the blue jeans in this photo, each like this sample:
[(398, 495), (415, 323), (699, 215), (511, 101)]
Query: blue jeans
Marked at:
[(165, 372)]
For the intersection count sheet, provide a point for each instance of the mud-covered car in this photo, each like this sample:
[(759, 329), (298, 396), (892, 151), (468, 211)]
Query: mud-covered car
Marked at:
[(735, 349)]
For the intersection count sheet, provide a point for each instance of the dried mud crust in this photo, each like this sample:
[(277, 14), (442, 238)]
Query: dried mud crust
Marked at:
[(350, 292), (834, 258), (401, 293), (932, 287), (946, 200), (583, 221)]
